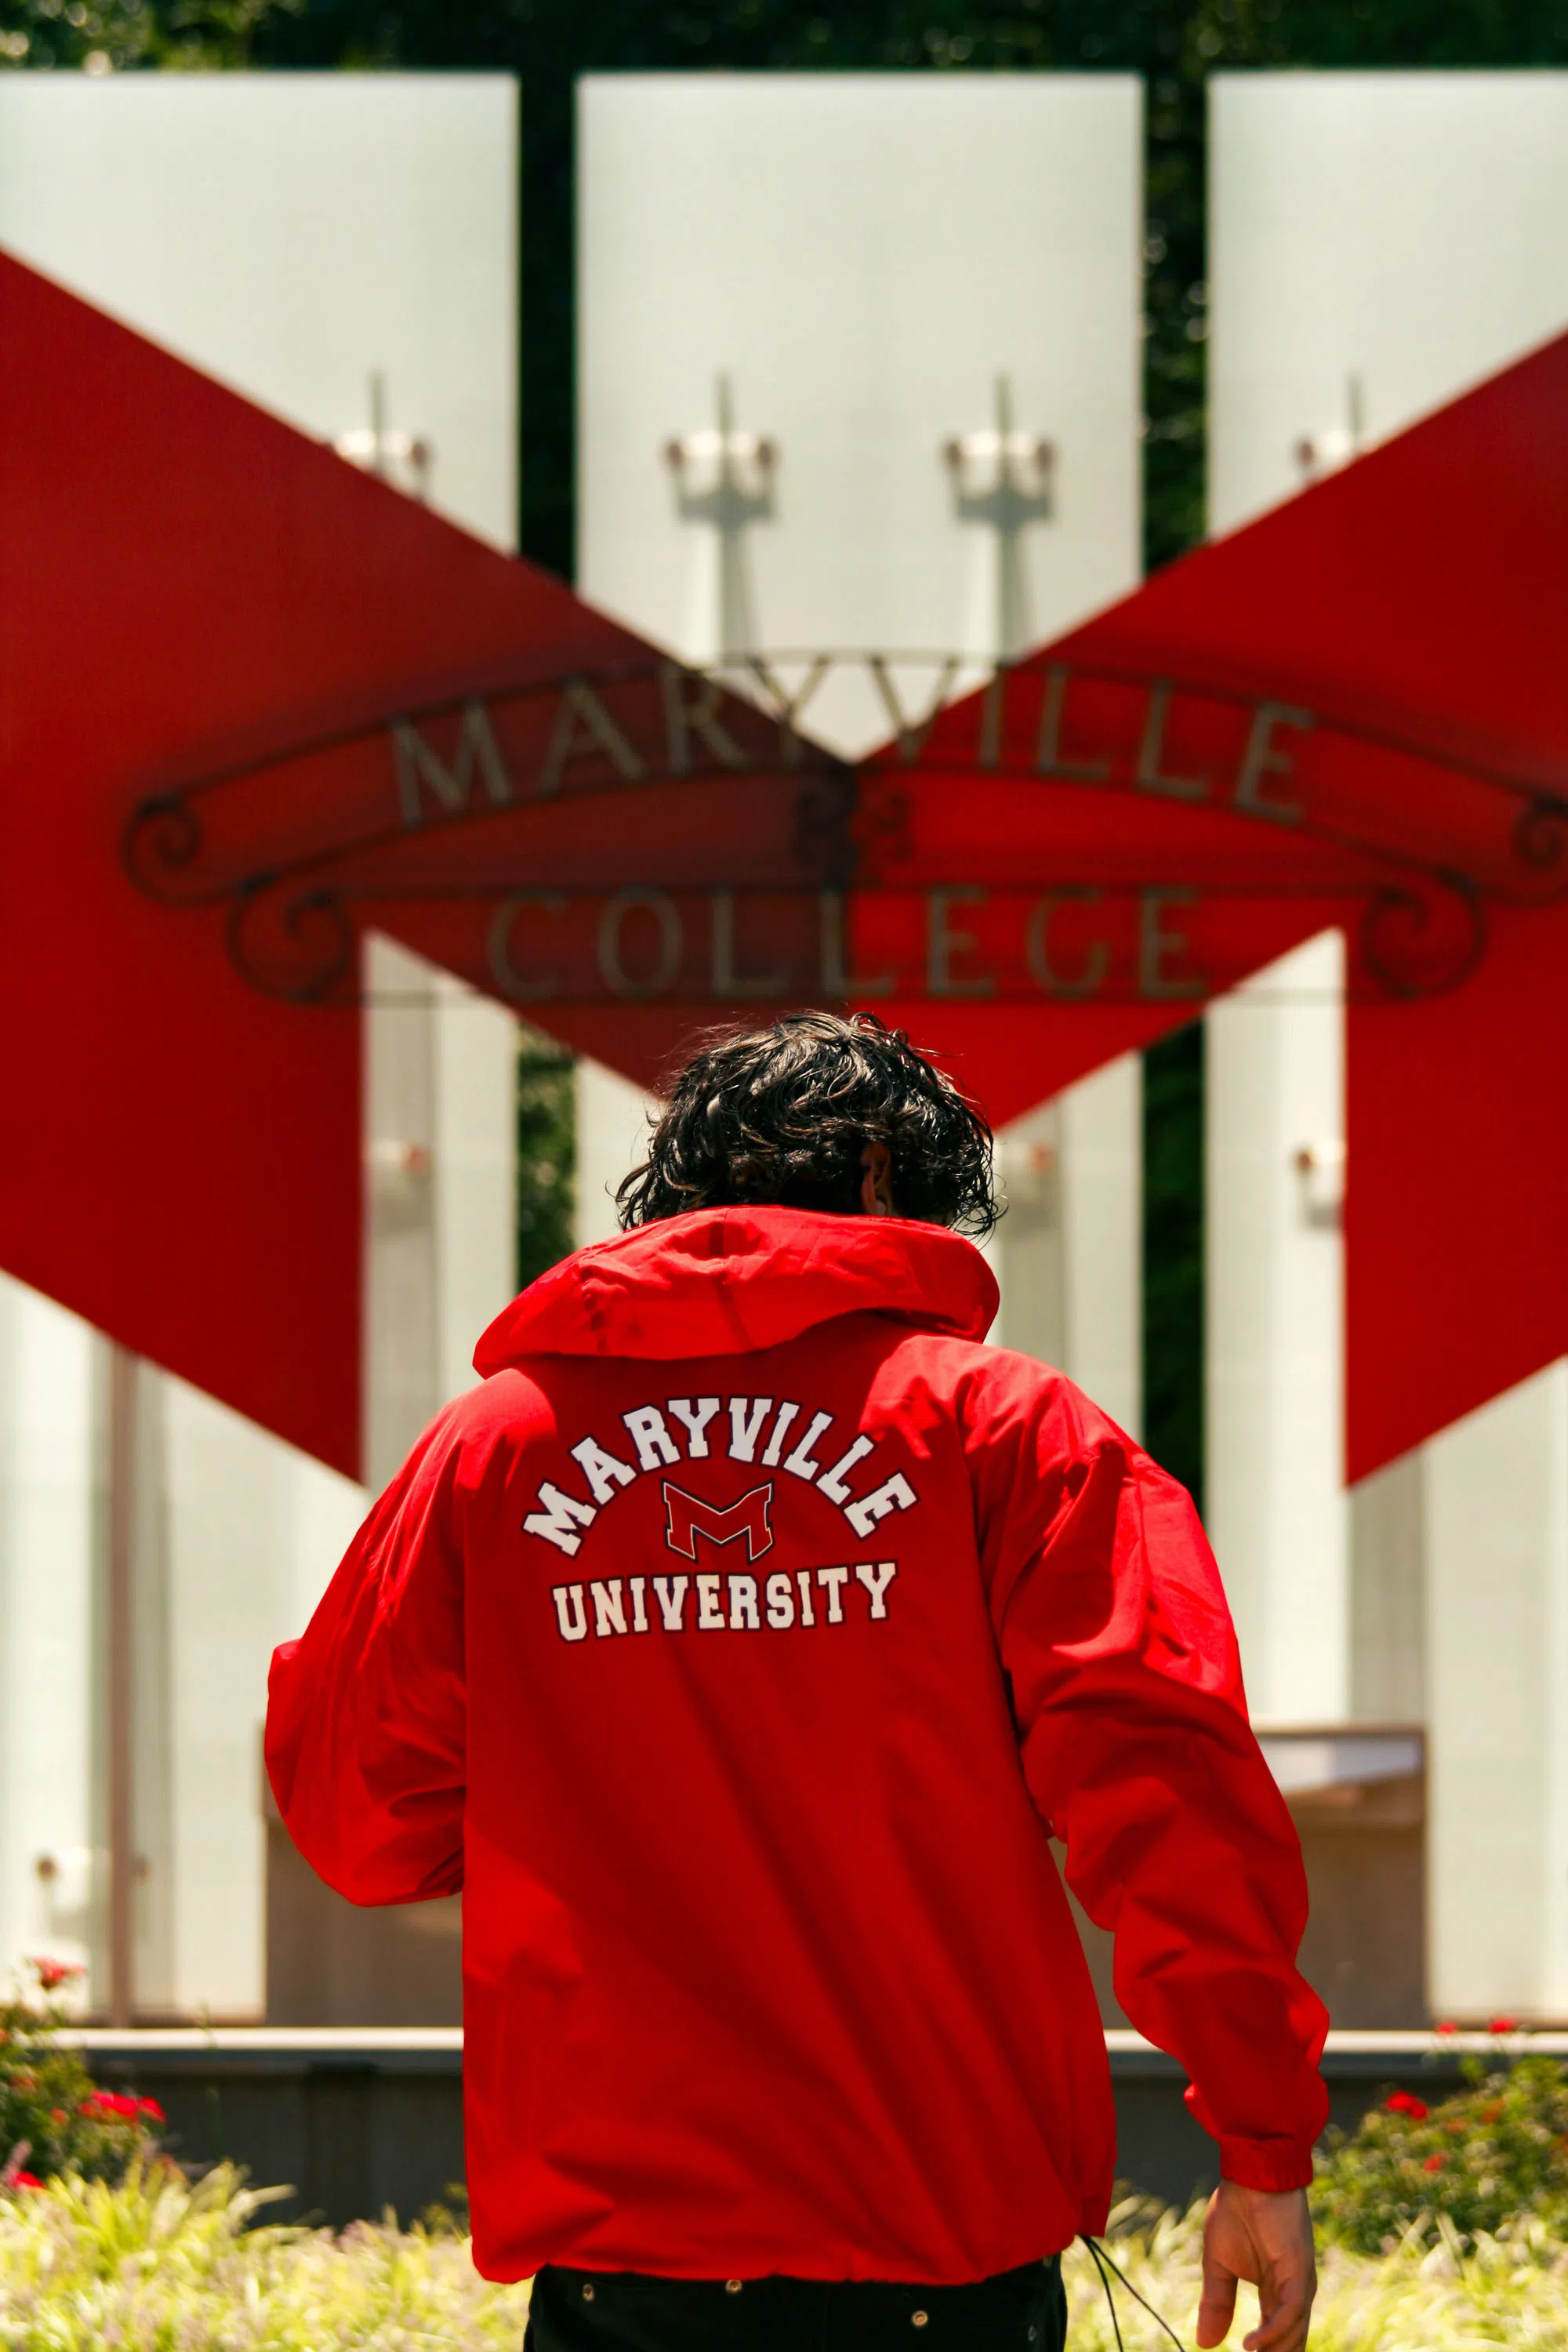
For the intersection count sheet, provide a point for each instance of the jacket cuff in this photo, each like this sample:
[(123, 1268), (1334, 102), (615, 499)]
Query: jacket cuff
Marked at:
[(1274, 2164)]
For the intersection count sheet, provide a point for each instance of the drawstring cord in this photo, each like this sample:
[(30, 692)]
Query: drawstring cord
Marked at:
[(1101, 2261)]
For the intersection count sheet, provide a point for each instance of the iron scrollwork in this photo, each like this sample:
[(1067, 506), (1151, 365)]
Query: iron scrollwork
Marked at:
[(824, 827), (163, 840), (1541, 834), (1417, 944), (299, 946), (292, 931)]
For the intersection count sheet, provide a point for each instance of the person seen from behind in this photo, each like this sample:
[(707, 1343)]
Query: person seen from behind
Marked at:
[(737, 1646)]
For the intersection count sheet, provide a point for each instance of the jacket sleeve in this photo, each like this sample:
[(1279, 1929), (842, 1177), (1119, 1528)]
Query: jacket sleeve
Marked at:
[(366, 1712), (1127, 1689)]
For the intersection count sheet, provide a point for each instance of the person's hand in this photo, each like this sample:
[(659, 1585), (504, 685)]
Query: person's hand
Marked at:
[(1265, 2236)]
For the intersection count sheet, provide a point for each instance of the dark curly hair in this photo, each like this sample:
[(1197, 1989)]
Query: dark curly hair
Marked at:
[(785, 1115)]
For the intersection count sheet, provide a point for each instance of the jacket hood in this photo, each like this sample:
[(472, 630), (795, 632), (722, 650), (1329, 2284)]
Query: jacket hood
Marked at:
[(723, 1282)]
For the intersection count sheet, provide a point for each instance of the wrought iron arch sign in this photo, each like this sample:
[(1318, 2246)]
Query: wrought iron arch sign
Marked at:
[(674, 833)]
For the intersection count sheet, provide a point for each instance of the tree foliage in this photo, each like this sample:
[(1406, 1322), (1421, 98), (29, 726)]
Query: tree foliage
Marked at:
[(546, 1155), (1173, 1305), (114, 36)]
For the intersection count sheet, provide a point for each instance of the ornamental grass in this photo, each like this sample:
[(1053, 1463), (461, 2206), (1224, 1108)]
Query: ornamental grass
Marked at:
[(159, 2262), (1430, 2294)]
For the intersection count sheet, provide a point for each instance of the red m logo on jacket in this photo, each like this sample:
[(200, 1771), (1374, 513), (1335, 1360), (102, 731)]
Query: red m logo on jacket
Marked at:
[(690, 1516)]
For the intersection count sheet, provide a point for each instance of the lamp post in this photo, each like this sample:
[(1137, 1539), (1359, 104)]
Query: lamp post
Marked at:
[(404, 460), (1324, 453), (1005, 478), (725, 477)]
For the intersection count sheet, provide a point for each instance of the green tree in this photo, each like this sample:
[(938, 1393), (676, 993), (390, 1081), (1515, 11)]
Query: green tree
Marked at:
[(546, 1155), (111, 36)]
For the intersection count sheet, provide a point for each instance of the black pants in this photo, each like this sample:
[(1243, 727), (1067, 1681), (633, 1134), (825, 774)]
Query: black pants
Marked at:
[(624, 2311)]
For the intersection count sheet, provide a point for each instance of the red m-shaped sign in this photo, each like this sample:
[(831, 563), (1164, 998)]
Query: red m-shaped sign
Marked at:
[(690, 1516)]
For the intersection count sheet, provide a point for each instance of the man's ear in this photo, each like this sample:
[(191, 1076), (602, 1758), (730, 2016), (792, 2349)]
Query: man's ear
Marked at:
[(876, 1182)]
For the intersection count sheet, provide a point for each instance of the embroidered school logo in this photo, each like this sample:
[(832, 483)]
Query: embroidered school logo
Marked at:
[(760, 1431), (690, 1516)]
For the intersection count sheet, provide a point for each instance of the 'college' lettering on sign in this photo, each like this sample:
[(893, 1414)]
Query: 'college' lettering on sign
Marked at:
[(641, 964)]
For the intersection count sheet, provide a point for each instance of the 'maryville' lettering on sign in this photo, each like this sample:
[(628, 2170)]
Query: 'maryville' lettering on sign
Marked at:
[(590, 726)]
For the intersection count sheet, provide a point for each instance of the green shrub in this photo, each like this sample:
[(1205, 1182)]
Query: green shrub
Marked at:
[(1493, 2153), (53, 2117)]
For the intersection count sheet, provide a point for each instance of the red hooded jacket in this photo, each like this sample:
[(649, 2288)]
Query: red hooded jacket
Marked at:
[(733, 1646)]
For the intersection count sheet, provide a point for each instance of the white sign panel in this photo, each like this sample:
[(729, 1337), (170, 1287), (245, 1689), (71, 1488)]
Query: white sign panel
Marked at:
[(295, 235), (1381, 242), (859, 362), (303, 238)]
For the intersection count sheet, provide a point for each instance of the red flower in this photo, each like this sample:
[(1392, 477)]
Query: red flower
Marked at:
[(122, 2106), (1402, 2102), (52, 1974), (1433, 2164), (56, 2115), (1446, 2026), (25, 2180), (1503, 2025), (110, 2105)]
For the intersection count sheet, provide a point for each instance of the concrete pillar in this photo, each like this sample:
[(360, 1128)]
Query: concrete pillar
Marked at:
[(237, 1534), (52, 1810), (440, 1163), (1374, 250), (294, 234), (1389, 1600), (253, 1531), (154, 1904), (1275, 1455), (476, 1170), (613, 1119), (1497, 1547), (402, 1260), (233, 1537), (1067, 1256)]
